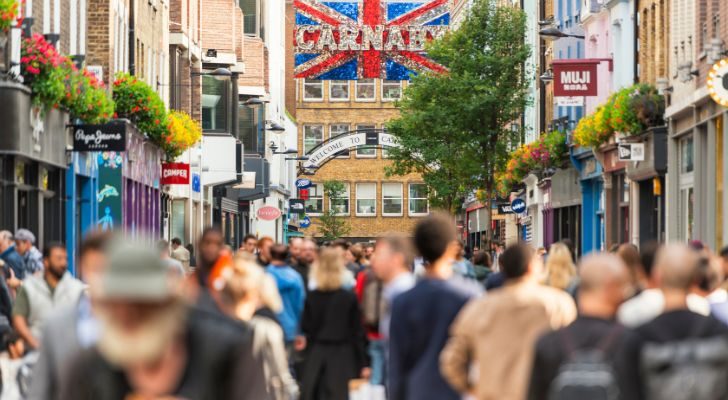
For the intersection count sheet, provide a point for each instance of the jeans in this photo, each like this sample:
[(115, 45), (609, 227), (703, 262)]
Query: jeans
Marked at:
[(376, 354)]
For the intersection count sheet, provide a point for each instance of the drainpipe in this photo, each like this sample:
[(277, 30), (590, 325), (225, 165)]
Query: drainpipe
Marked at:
[(132, 39)]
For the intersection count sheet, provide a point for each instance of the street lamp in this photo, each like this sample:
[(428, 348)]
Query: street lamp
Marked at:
[(254, 102), (219, 74), (552, 33), (547, 77), (275, 127)]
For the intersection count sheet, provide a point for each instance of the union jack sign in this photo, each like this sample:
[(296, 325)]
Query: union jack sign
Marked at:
[(355, 39)]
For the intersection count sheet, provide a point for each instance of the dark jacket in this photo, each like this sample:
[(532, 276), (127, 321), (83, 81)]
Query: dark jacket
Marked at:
[(220, 365), (336, 344), (14, 261)]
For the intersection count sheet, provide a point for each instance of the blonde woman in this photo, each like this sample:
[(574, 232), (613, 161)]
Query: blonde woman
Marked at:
[(560, 268), (335, 341), (249, 294)]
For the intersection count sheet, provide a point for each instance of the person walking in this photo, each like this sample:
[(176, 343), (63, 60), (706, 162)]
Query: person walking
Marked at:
[(496, 333), (482, 266), (246, 291), (462, 266), (175, 266), (39, 297), (560, 269), (291, 289), (264, 245), (591, 356), (13, 261), (421, 317), (334, 336), (368, 291), (250, 244), (25, 245), (181, 254)]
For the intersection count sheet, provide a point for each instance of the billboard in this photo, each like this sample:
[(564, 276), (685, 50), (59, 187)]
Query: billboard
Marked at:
[(363, 39)]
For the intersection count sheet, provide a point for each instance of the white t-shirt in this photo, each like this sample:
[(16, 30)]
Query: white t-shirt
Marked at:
[(650, 303)]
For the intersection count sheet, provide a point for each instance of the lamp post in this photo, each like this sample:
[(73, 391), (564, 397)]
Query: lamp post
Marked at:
[(552, 33)]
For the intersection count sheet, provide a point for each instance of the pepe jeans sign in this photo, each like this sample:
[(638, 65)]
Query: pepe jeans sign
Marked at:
[(108, 137), (575, 78), (175, 174)]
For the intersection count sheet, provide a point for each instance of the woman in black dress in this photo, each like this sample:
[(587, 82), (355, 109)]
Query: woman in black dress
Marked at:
[(336, 348)]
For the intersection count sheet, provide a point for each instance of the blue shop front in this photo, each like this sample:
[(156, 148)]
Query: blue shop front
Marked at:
[(81, 205), (592, 199)]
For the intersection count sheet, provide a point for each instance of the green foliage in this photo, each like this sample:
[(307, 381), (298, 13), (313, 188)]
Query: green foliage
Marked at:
[(333, 226), (136, 101), (454, 128), (86, 98), (549, 151), (8, 14), (44, 71)]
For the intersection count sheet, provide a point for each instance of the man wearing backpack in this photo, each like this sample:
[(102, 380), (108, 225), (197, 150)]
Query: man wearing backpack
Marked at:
[(683, 355), (591, 358), (369, 292)]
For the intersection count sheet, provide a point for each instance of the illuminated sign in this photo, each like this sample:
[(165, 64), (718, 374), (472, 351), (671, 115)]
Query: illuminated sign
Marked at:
[(718, 82)]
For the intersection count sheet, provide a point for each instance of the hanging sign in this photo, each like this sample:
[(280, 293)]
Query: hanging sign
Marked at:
[(303, 183), (518, 206), (570, 101), (366, 38), (175, 174), (305, 222), (718, 82), (631, 152), (303, 194), (269, 213), (296, 206), (106, 137), (575, 78)]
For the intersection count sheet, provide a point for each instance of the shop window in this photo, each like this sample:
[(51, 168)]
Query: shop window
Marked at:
[(418, 204), (686, 155), (341, 204), (365, 89), (391, 199), (338, 90), (366, 152), (391, 90), (366, 199), (315, 202), (215, 95), (312, 136), (313, 90)]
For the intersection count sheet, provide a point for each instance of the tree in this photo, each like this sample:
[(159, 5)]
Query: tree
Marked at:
[(333, 225), (455, 129)]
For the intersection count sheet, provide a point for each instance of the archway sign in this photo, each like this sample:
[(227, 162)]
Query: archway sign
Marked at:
[(352, 140)]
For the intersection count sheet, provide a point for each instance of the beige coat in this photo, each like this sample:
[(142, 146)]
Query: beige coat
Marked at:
[(490, 351)]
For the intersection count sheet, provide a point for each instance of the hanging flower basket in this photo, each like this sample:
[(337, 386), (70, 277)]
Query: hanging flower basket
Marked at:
[(9, 14), (549, 151)]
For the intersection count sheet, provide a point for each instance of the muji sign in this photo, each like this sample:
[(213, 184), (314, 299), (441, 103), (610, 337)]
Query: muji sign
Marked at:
[(175, 174), (366, 38), (575, 77)]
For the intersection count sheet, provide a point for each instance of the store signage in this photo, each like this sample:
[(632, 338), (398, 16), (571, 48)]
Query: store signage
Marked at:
[(575, 78), (175, 174), (505, 209), (305, 222), (718, 82), (107, 137), (631, 151), (331, 148), (196, 183), (366, 38), (297, 206), (570, 101), (269, 213), (303, 194), (303, 183), (518, 206)]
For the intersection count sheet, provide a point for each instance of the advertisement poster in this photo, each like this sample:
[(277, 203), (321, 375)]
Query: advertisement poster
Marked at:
[(109, 190)]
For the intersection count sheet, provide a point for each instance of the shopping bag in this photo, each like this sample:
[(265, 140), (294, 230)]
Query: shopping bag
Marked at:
[(360, 389)]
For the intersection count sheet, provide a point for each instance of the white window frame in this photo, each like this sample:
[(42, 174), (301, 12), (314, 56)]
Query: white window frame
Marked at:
[(372, 198), (359, 84), (323, 136), (348, 201), (410, 198), (331, 134), (339, 83), (311, 82), (364, 127), (319, 188), (401, 198), (391, 82)]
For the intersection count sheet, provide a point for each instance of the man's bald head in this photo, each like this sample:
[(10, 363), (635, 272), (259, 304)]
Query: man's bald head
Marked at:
[(676, 267), (599, 270)]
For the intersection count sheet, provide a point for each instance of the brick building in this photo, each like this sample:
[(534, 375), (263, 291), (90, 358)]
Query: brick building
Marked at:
[(654, 23)]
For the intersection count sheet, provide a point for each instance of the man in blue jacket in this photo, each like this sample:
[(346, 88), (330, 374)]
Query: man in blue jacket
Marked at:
[(421, 317), (13, 260), (291, 289)]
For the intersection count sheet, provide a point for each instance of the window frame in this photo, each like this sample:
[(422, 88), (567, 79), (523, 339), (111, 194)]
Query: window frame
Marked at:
[(333, 83), (323, 136), (318, 197), (374, 198), (401, 199), (364, 127), (390, 82), (331, 135), (410, 199), (313, 99), (348, 201), (359, 84), (224, 98)]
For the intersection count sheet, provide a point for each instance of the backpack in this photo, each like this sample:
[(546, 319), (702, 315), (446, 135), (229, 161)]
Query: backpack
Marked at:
[(695, 369), (587, 373), (372, 303)]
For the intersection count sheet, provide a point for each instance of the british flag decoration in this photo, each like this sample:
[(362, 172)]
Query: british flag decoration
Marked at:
[(350, 39)]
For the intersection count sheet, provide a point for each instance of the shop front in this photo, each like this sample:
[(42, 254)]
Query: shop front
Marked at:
[(617, 194), (562, 208), (32, 165), (592, 199), (533, 225), (81, 204)]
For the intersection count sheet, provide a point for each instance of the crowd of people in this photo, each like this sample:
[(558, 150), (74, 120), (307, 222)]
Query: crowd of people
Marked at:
[(408, 316)]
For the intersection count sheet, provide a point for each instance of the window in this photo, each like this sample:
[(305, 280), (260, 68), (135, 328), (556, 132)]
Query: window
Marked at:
[(366, 199), (250, 132), (315, 202), (313, 90), (366, 152), (391, 90), (341, 204), (686, 155), (365, 89), (391, 199), (418, 199), (214, 104), (339, 90), (251, 19), (312, 136), (338, 129)]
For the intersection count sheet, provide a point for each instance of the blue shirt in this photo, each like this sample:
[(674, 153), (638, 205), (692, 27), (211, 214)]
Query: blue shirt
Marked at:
[(419, 329), (293, 295), (14, 261)]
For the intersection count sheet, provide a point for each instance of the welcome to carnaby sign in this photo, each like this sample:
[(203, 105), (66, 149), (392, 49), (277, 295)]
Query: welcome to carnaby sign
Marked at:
[(355, 39), (329, 149), (107, 137)]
